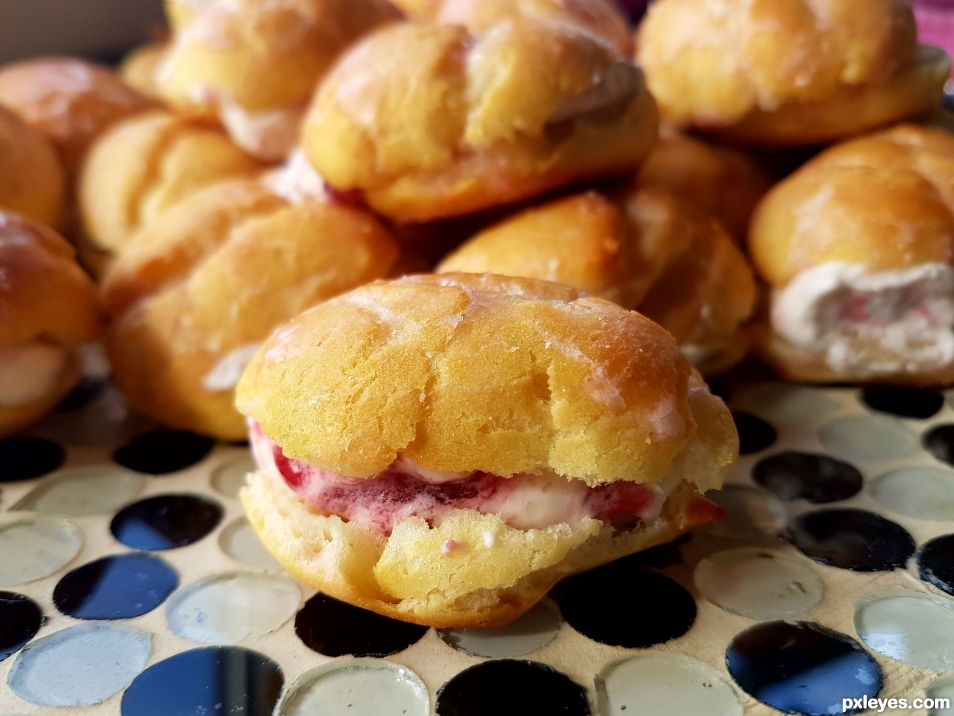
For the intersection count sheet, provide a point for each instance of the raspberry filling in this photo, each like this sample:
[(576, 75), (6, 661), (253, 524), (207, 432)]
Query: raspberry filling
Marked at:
[(523, 501)]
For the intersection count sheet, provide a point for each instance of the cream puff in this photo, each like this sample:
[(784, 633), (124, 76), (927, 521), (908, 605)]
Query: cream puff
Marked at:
[(196, 291), (600, 18), (139, 69), (70, 101), (428, 121), (254, 65), (444, 449), (639, 248), (718, 182), (48, 310), (180, 13), (788, 72), (31, 177), (858, 249), (146, 164)]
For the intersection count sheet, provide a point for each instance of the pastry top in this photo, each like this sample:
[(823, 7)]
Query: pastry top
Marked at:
[(140, 68), (68, 100), (716, 181), (43, 291), (639, 248), (885, 201), (180, 13), (245, 259), (431, 110), (261, 55), (31, 177), (144, 165), (714, 61), (600, 18), (462, 372)]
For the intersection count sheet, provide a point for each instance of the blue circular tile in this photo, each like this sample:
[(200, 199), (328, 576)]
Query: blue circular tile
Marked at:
[(857, 540), (24, 457), (755, 434), (20, 620), (904, 402), (807, 476), (163, 451), (165, 522), (802, 668), (206, 681), (117, 587), (936, 563)]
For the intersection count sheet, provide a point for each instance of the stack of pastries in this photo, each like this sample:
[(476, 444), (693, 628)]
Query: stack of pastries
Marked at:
[(608, 221)]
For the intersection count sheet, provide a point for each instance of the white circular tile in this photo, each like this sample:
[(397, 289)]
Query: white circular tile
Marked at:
[(357, 687), (33, 546), (750, 513), (239, 541), (533, 631), (78, 491), (664, 684), (227, 608), (229, 477), (867, 437), (759, 584), (925, 493), (915, 629)]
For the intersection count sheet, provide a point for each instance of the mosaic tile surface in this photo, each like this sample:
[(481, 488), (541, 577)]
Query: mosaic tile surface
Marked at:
[(130, 583)]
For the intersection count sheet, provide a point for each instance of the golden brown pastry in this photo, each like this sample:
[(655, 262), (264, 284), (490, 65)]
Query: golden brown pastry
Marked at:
[(140, 68), (31, 177), (858, 247), (443, 449), (180, 13), (426, 121), (599, 18), (70, 101), (48, 310), (788, 72), (198, 289), (146, 164), (253, 65), (716, 181), (641, 249)]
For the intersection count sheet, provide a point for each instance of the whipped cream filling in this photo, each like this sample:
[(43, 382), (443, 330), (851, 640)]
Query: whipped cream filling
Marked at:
[(226, 373), (31, 371), (870, 322), (268, 135), (405, 490), (298, 181)]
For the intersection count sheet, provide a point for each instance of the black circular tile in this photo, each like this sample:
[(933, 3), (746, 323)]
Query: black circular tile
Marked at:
[(23, 457), (118, 587), (936, 563), (904, 402), (165, 521), (939, 441), (665, 610), (506, 687), (802, 668), (212, 680), (851, 539), (163, 451), (334, 628), (20, 620), (808, 476), (85, 392), (755, 434)]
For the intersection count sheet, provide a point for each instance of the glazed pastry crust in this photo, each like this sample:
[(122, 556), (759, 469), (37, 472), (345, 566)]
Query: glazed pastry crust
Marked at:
[(716, 181), (262, 55), (885, 201), (69, 101), (44, 295), (140, 68), (599, 18), (461, 372), (146, 164), (31, 177), (778, 72), (458, 124), (641, 249), (212, 276), (406, 576)]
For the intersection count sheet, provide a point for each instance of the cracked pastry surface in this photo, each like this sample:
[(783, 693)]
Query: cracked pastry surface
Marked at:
[(788, 72), (32, 182), (464, 123), (410, 434), (857, 247), (196, 291), (640, 248)]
